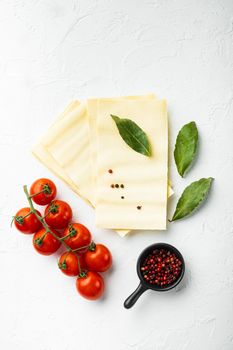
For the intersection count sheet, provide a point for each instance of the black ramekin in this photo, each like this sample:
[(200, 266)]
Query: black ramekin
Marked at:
[(143, 285)]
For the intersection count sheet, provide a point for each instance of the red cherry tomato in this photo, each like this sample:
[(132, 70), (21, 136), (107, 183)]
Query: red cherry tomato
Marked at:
[(78, 236), (46, 243), (82, 262), (25, 222), (58, 214), (43, 191), (90, 285), (98, 258), (69, 264)]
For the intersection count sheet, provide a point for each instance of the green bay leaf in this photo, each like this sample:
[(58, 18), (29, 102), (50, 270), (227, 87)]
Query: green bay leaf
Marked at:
[(133, 135), (186, 147), (192, 197)]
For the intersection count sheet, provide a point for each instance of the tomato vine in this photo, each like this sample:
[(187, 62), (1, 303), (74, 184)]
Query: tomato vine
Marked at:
[(47, 229)]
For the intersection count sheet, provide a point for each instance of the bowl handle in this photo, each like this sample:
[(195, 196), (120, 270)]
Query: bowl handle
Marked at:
[(131, 300)]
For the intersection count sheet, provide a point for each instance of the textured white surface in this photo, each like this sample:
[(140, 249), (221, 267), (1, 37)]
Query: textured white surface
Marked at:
[(54, 51)]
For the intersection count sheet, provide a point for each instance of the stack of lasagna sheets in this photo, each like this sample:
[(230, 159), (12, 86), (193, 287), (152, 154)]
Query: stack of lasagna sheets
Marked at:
[(84, 148)]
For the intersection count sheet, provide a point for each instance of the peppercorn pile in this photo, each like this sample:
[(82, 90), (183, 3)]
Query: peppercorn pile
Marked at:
[(161, 267)]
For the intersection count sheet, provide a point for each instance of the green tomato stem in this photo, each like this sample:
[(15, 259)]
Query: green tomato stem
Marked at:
[(92, 246), (53, 208), (81, 248), (65, 237), (47, 189), (30, 212), (39, 241), (43, 217), (13, 219), (72, 233), (35, 194)]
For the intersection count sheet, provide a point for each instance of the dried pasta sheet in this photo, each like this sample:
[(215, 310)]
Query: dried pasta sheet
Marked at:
[(144, 178), (67, 142), (92, 106), (41, 153)]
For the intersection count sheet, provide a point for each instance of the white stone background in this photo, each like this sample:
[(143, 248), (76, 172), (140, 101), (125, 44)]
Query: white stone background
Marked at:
[(53, 51)]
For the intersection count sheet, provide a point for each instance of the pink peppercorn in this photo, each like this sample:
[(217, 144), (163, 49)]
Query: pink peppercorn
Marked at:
[(161, 267)]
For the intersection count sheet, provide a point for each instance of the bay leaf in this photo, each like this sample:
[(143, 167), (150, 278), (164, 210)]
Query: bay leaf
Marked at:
[(133, 135), (186, 147), (192, 197)]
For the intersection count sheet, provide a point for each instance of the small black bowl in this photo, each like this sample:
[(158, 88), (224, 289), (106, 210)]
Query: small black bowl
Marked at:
[(143, 285)]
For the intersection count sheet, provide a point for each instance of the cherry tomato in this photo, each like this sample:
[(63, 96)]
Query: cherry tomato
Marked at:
[(25, 222), (68, 263), (78, 236), (58, 214), (46, 243), (90, 285), (98, 258), (46, 190)]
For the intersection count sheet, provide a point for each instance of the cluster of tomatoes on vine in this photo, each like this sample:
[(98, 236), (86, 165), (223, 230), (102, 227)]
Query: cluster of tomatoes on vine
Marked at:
[(82, 257)]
